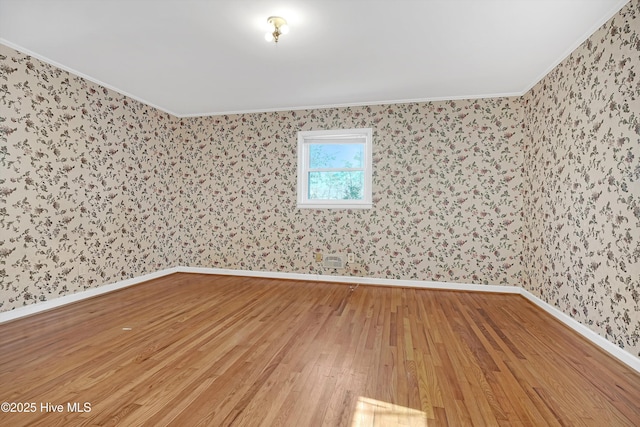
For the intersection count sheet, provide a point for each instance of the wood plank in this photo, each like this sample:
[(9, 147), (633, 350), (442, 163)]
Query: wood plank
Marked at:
[(224, 350)]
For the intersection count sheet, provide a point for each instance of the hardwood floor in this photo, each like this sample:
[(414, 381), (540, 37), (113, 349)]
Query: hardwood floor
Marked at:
[(191, 350)]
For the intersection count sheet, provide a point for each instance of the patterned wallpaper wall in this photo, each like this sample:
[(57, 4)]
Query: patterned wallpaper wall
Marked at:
[(582, 183), (446, 191), (87, 184), (96, 187)]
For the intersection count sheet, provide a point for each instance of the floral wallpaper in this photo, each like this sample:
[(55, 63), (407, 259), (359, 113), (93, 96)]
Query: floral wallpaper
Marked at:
[(541, 192), (446, 192), (97, 187), (582, 183), (87, 184)]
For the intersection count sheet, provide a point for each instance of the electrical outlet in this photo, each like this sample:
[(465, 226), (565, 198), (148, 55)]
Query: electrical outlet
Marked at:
[(351, 257), (318, 256)]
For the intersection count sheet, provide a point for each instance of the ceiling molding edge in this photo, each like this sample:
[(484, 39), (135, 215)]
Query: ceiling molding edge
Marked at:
[(82, 75), (358, 104), (614, 9), (70, 70)]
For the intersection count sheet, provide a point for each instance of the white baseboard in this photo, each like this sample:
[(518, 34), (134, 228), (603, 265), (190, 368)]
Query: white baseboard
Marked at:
[(355, 280), (28, 310), (617, 352)]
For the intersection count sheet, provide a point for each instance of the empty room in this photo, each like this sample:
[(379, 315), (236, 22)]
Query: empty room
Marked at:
[(320, 213)]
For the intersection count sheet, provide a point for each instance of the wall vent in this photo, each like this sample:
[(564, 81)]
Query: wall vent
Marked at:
[(333, 261)]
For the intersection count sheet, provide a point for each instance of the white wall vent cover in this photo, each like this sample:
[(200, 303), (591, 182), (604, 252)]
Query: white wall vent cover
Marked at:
[(333, 261)]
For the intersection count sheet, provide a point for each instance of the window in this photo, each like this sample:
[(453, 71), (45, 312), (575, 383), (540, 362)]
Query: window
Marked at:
[(334, 169)]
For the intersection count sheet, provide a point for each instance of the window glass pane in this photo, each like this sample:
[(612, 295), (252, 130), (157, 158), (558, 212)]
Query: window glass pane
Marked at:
[(335, 169), (336, 156), (336, 185)]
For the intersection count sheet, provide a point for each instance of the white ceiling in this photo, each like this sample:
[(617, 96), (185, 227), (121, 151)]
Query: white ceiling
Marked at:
[(202, 57)]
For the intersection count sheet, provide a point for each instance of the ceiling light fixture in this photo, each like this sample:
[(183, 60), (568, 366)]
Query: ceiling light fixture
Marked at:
[(279, 26)]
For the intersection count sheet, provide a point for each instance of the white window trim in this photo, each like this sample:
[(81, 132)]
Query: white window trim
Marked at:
[(337, 136)]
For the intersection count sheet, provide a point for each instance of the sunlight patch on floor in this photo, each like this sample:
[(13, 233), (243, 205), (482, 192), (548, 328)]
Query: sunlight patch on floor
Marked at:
[(371, 412)]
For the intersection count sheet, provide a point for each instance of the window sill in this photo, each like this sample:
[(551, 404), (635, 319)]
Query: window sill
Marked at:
[(334, 205)]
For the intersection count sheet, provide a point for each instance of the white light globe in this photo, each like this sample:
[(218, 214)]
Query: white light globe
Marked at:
[(284, 29)]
